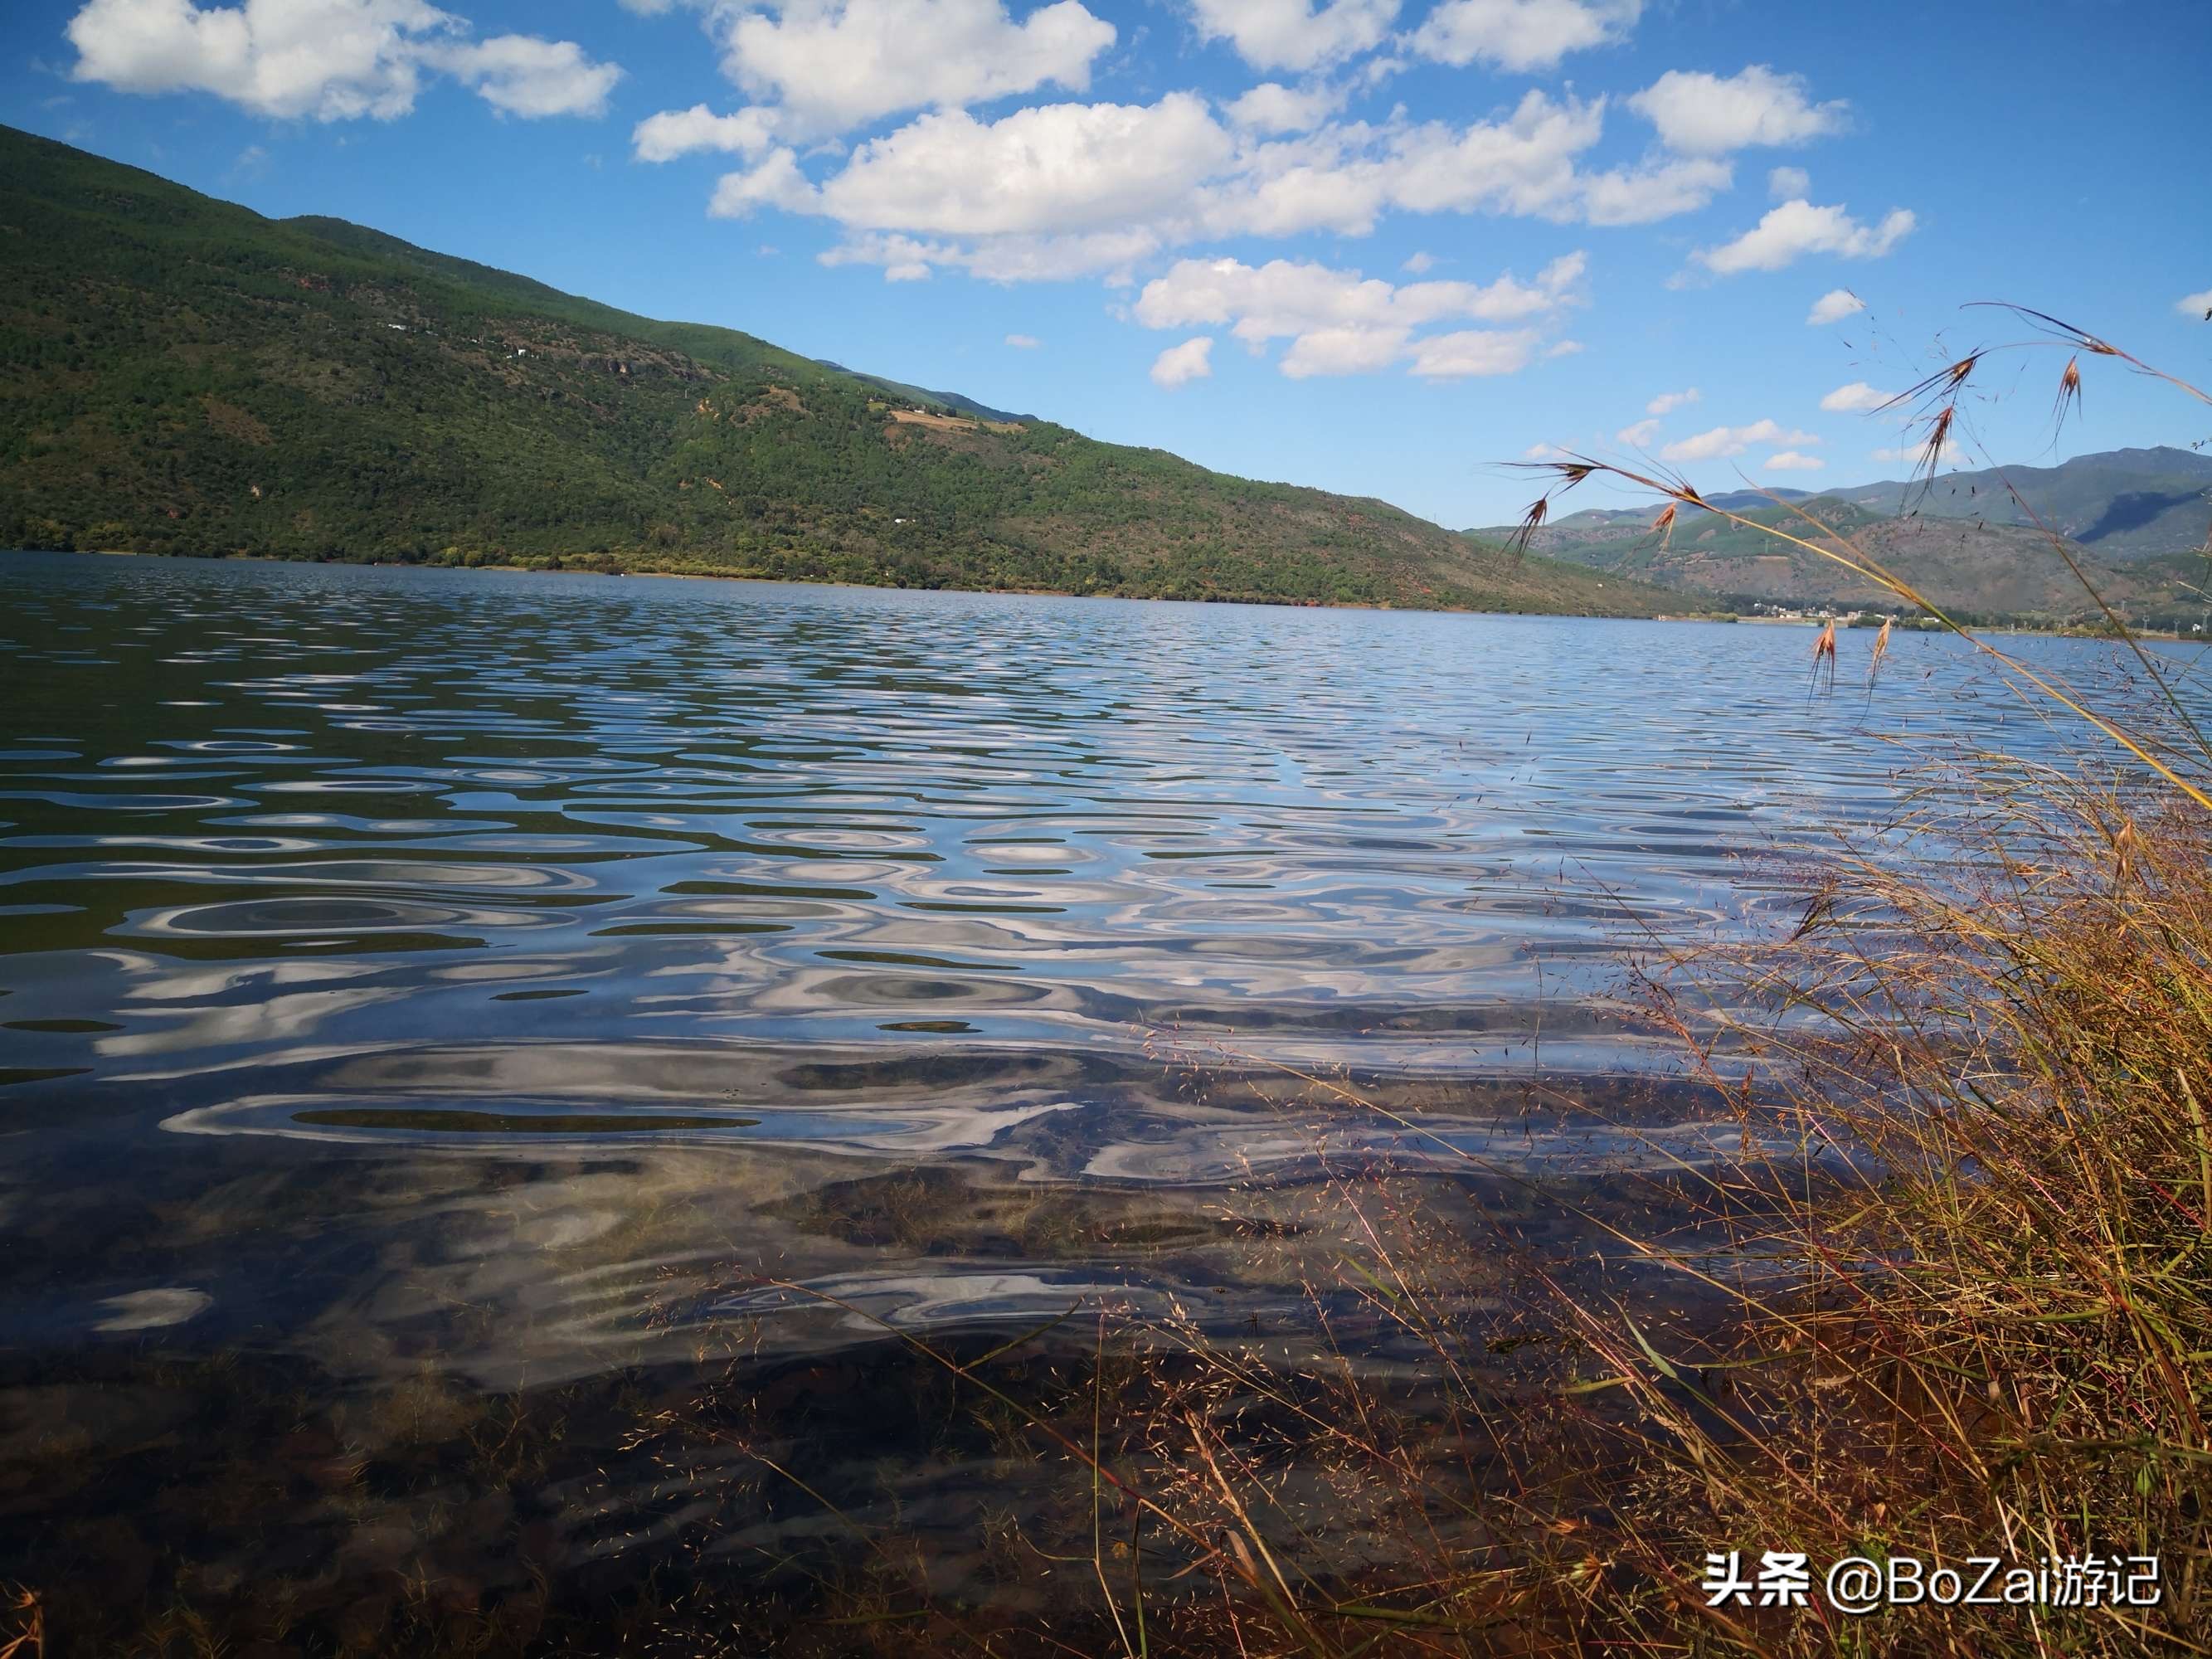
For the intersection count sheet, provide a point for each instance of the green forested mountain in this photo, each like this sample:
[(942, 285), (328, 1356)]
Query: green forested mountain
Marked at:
[(179, 375), (1970, 566), (2134, 520)]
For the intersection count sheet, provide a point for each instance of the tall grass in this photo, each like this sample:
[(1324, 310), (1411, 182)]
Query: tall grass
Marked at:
[(1937, 1284), (1951, 1298)]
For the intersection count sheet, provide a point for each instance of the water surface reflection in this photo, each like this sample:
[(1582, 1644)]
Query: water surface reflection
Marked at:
[(378, 940)]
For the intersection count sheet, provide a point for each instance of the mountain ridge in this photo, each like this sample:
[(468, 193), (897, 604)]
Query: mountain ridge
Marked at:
[(181, 374), (1966, 539)]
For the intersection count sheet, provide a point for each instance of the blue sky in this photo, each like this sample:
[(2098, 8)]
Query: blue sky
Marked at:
[(1375, 245)]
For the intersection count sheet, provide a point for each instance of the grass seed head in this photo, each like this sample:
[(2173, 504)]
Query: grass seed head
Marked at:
[(1531, 522), (2069, 392)]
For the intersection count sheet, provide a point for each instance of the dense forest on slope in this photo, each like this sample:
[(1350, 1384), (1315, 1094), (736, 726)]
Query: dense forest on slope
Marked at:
[(181, 375)]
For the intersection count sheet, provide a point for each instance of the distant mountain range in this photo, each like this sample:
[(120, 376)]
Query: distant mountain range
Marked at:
[(181, 375), (2136, 520)]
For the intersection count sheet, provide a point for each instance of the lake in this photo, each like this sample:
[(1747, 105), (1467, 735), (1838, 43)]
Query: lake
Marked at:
[(487, 982), (314, 868)]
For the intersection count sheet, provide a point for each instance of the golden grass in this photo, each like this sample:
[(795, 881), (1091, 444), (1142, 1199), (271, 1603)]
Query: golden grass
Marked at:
[(1951, 1297)]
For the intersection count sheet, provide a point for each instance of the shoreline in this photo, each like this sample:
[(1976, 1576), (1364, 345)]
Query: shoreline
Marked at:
[(1715, 617), (823, 581)]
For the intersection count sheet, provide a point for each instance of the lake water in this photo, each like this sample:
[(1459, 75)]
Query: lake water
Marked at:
[(511, 979), (366, 876)]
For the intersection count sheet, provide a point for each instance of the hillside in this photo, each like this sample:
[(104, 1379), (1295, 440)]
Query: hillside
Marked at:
[(181, 375), (2122, 504), (1965, 541)]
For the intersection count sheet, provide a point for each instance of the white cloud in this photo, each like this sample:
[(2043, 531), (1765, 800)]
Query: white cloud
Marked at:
[(1270, 107), (1953, 455), (1833, 307), (1667, 402), (520, 74), (1284, 298), (1639, 436), (1191, 361), (1293, 35), (1796, 228), (1520, 34), (776, 182), (1784, 183), (1340, 323), (1856, 398), (1344, 177), (1544, 452), (334, 60), (1060, 190), (1348, 349), (2194, 305), (1419, 264), (1021, 259), (1723, 440), (1652, 191), (1054, 168), (1565, 348), (1702, 114), (1023, 341), (1790, 461), (832, 65), (675, 132), (1473, 351)]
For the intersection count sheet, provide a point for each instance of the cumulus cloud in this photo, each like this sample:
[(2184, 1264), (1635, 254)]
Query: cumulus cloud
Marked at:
[(1284, 298), (1023, 341), (1639, 436), (1856, 398), (1652, 191), (1725, 440), (1349, 349), (1789, 231), (1019, 259), (776, 182), (675, 132), (1294, 34), (333, 60), (1702, 114), (1790, 461), (1272, 107), (1667, 402), (1474, 351), (2194, 304), (1833, 307), (520, 74), (831, 65), (1419, 264), (1953, 455), (1059, 189), (1053, 168), (1520, 34), (1340, 323), (1191, 361), (1785, 182)]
